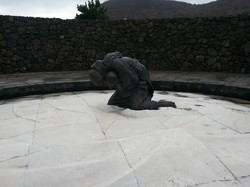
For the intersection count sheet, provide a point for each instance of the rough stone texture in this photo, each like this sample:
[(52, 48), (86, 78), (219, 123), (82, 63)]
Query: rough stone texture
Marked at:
[(199, 44)]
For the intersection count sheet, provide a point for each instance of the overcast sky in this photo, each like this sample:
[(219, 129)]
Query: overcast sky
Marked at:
[(65, 9)]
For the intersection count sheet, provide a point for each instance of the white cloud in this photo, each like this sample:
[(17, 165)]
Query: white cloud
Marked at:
[(197, 1), (40, 8)]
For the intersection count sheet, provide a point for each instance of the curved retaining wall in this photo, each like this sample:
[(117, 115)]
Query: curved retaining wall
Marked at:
[(211, 83), (198, 44)]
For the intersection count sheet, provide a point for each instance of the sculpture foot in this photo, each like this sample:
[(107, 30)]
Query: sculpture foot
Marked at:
[(163, 103)]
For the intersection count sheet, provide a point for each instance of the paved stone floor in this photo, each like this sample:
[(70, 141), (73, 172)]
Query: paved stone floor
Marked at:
[(75, 139)]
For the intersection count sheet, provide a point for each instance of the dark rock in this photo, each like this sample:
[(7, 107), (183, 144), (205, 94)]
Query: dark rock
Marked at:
[(199, 59), (247, 48), (211, 61), (212, 52)]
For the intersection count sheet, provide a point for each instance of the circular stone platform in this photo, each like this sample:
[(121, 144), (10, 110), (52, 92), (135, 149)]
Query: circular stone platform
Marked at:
[(75, 139)]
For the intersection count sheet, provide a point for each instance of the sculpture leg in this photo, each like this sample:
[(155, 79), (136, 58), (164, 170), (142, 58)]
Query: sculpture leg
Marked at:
[(141, 100), (117, 100)]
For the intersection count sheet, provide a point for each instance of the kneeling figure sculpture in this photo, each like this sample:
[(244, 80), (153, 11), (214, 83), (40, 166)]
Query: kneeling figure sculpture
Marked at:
[(130, 79)]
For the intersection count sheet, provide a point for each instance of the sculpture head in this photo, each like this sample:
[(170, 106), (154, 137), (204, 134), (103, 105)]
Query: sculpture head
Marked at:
[(96, 74), (96, 77), (112, 79)]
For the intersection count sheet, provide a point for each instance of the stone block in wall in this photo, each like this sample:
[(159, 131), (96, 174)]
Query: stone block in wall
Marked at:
[(247, 48), (211, 61), (200, 58), (212, 52), (248, 65)]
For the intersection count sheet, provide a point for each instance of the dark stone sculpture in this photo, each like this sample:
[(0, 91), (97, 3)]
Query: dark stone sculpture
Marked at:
[(130, 79)]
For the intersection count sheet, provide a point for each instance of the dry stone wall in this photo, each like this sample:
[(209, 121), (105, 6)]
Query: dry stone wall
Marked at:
[(194, 44)]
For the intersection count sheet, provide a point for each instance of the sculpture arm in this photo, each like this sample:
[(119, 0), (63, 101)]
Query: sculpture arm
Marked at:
[(129, 78)]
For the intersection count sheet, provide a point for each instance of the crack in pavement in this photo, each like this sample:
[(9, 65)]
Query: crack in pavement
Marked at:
[(128, 163)]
